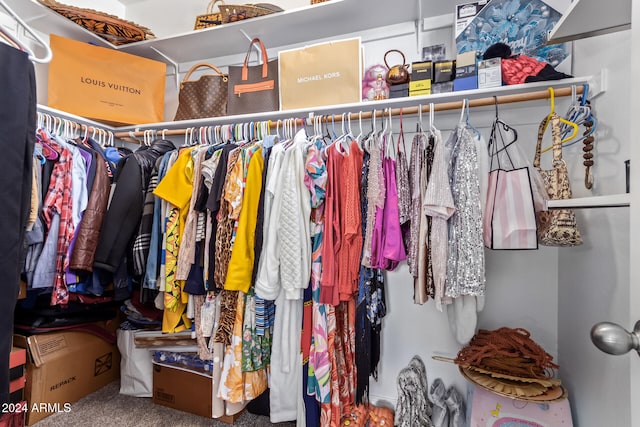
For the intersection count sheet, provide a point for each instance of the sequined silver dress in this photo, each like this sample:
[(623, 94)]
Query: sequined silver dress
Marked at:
[(465, 255)]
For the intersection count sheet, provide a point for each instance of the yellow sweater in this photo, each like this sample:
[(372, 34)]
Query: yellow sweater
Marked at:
[(242, 255)]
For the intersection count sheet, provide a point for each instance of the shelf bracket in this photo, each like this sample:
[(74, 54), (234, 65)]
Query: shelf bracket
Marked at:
[(172, 62), (417, 23), (35, 18), (248, 37), (598, 84)]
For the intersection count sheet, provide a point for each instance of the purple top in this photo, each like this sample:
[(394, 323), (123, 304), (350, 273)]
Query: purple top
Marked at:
[(70, 276), (387, 249)]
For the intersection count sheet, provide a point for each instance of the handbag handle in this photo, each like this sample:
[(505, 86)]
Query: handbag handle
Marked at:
[(245, 67), (198, 65), (211, 4), (557, 140)]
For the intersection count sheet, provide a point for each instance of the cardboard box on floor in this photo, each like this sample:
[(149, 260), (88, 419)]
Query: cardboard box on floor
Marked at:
[(185, 390), (63, 367)]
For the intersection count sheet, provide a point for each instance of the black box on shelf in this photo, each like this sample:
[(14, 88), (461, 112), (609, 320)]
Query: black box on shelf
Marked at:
[(421, 70), (399, 91), (444, 71), (421, 76)]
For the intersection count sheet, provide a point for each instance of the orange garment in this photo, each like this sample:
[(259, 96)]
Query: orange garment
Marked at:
[(349, 256), (341, 345), (342, 243)]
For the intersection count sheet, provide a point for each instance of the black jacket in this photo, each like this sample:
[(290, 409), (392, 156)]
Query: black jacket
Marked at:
[(125, 209)]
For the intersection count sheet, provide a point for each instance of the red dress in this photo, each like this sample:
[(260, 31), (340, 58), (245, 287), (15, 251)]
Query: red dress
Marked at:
[(342, 243)]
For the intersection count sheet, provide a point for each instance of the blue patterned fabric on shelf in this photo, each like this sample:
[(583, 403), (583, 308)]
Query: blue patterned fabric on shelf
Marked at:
[(523, 25)]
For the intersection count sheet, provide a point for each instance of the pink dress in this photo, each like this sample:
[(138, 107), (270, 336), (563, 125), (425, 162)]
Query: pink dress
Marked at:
[(393, 249), (389, 246)]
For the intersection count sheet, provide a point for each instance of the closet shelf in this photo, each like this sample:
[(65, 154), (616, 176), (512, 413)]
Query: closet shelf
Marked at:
[(515, 93), (609, 201), (588, 18), (44, 20), (302, 24)]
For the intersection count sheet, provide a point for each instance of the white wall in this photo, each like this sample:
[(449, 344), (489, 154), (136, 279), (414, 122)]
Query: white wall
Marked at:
[(169, 17), (593, 280)]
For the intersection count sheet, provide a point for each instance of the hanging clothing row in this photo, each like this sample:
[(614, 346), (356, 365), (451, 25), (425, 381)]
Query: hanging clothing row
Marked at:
[(275, 247), (72, 175), (272, 248)]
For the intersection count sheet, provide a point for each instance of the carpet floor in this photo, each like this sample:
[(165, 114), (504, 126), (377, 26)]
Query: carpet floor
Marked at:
[(107, 407)]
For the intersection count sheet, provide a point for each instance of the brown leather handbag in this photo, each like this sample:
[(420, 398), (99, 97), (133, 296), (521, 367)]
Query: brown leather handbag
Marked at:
[(556, 227), (254, 89), (202, 98)]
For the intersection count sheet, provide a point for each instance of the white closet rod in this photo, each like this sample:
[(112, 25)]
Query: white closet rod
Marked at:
[(454, 105)]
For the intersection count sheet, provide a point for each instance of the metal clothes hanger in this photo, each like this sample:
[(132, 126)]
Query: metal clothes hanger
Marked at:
[(27, 28), (576, 113), (497, 142), (464, 117), (326, 136), (582, 114), (333, 127), (401, 137), (496, 132)]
